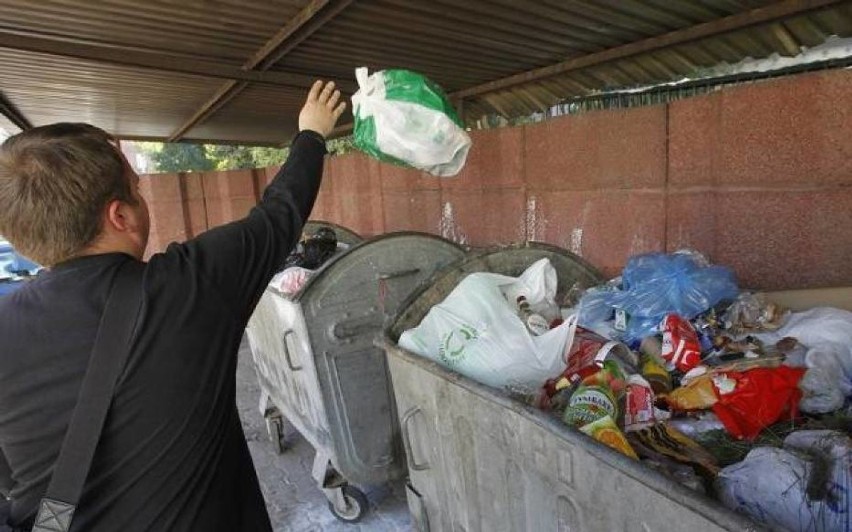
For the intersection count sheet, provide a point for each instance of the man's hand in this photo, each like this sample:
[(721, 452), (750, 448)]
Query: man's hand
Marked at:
[(321, 110)]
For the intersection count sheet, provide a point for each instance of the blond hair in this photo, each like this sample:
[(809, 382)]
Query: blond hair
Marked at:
[(54, 184)]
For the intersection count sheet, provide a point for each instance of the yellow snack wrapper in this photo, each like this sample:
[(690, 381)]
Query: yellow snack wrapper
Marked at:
[(699, 394), (607, 432)]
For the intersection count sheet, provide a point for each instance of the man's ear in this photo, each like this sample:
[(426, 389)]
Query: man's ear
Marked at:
[(116, 216)]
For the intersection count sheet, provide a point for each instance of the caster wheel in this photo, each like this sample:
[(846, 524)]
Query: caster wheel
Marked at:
[(356, 505), (275, 428)]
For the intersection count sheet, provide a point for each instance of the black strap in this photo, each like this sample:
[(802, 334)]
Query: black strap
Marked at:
[(105, 365)]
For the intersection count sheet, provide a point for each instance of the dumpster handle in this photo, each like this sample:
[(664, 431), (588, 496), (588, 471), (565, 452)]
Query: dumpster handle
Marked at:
[(393, 275), (406, 441), (293, 367)]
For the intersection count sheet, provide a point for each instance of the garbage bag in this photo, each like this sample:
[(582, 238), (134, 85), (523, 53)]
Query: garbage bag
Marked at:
[(403, 118), (657, 284), (827, 333), (752, 400), (803, 487), (538, 285), (822, 385), (477, 332), (291, 280)]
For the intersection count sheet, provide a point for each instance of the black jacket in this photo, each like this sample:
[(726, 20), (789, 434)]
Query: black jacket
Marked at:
[(172, 455)]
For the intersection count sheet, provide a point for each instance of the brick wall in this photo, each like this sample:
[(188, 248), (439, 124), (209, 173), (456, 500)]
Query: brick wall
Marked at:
[(758, 177)]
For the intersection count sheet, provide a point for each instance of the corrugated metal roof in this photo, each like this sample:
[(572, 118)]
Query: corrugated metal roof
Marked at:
[(48, 88), (162, 69)]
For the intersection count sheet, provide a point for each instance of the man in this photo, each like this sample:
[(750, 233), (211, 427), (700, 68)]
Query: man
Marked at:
[(172, 454)]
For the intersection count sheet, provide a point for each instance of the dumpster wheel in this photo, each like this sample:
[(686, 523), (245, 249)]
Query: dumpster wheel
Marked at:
[(356, 505), (275, 428)]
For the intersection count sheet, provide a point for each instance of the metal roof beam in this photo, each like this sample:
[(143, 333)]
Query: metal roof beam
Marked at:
[(310, 19), (731, 23), (148, 59), (14, 115)]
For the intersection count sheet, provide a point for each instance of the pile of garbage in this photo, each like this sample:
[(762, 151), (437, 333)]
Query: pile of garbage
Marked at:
[(671, 364), (310, 254)]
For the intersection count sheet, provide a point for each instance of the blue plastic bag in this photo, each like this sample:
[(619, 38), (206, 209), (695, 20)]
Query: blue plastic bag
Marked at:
[(656, 284)]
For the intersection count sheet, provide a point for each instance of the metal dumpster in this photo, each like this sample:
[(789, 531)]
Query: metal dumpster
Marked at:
[(318, 365), (478, 460)]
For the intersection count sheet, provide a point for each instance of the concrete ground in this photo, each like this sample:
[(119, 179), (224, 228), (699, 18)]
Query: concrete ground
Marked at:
[(294, 501)]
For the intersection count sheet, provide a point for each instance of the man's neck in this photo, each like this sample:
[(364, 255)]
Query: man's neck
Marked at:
[(105, 245)]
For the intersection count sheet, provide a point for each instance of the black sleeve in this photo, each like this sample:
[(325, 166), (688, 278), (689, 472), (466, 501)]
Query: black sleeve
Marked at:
[(240, 258)]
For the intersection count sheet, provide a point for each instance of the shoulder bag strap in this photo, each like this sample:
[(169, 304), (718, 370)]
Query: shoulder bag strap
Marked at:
[(105, 365)]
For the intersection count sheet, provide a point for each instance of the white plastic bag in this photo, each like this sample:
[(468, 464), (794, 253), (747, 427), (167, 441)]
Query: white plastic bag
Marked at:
[(824, 388), (827, 333), (538, 285), (772, 485), (403, 118), (477, 332), (291, 280)]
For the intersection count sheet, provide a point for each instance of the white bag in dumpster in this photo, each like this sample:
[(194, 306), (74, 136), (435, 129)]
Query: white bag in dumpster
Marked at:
[(477, 332), (404, 118), (827, 334), (803, 487)]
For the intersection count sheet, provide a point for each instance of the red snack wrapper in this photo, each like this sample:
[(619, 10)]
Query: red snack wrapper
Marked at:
[(639, 404), (681, 348), (761, 397), (588, 352)]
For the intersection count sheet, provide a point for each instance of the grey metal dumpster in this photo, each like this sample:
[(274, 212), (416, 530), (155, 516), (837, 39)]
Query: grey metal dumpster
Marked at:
[(317, 362), (479, 460)]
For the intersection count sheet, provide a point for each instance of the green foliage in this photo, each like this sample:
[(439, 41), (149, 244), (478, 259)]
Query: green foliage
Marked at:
[(236, 157), (186, 157), (341, 145), (172, 157)]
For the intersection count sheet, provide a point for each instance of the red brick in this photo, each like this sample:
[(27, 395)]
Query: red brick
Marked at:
[(483, 218), (210, 185), (323, 207), (167, 221), (694, 144), (495, 160), (236, 183), (228, 184), (258, 183), (162, 187), (216, 214), (352, 165), (774, 133), (603, 149), (785, 239), (237, 208), (270, 172), (421, 211), (357, 194), (691, 222), (605, 227), (398, 178), (192, 187), (196, 214), (145, 189)]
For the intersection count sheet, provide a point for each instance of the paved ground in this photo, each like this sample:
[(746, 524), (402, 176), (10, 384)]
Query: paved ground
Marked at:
[(294, 501)]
